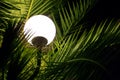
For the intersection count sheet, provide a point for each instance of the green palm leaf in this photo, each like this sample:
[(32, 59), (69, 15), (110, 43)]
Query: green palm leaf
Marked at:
[(70, 17), (75, 54), (70, 58), (35, 7)]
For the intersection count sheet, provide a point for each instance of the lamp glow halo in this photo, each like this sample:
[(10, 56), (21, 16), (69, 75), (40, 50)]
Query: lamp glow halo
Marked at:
[(40, 25)]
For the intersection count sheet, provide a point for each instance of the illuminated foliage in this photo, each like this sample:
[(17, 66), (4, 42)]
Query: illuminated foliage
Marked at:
[(77, 53)]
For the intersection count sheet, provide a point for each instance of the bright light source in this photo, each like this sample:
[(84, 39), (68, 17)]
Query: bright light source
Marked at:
[(41, 26)]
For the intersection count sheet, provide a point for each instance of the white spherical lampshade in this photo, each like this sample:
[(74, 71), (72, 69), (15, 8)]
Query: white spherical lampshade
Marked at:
[(41, 26)]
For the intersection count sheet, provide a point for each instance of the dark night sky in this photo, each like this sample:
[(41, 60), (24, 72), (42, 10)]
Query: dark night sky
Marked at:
[(108, 8), (104, 9)]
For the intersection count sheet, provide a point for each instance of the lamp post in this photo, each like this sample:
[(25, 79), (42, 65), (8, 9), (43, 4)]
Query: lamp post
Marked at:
[(40, 31)]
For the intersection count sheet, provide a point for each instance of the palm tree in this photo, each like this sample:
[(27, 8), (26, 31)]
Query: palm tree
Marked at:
[(77, 53)]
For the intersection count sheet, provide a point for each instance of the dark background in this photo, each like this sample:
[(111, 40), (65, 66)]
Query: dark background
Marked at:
[(104, 9)]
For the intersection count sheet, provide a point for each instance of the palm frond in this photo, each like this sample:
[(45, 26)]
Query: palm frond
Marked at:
[(15, 57), (77, 50), (76, 54), (35, 7), (6, 8), (5, 14), (70, 17)]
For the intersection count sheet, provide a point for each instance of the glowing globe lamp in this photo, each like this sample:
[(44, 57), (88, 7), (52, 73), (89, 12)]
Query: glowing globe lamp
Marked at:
[(39, 28)]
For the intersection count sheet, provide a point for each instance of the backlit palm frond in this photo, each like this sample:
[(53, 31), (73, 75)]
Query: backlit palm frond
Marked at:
[(35, 7), (28, 8), (79, 57), (16, 59), (69, 16), (5, 8), (5, 14), (76, 54)]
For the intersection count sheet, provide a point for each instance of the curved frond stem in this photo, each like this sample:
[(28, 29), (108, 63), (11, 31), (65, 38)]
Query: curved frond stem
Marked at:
[(88, 60)]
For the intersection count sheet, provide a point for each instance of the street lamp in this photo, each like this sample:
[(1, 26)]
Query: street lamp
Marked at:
[(40, 30)]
